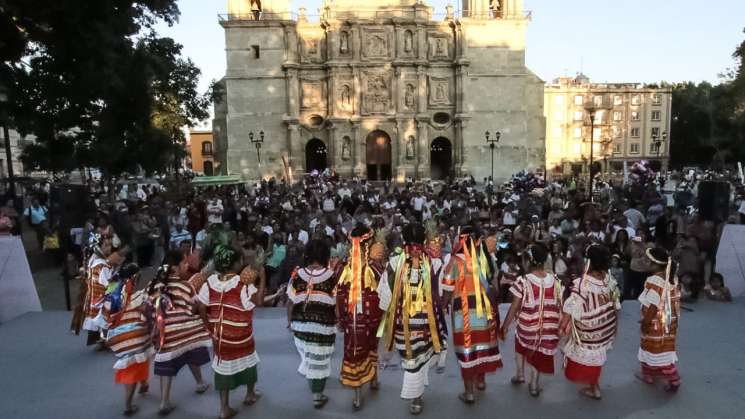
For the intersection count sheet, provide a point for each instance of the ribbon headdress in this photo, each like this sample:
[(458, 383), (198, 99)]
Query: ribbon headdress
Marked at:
[(358, 274)]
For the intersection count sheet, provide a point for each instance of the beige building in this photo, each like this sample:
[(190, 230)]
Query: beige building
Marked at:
[(381, 89), (632, 123)]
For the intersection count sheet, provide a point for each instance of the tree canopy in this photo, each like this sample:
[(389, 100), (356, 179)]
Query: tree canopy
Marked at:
[(96, 85)]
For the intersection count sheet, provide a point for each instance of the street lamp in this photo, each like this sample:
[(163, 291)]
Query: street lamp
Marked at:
[(257, 142), (6, 135), (492, 144), (591, 110), (658, 141)]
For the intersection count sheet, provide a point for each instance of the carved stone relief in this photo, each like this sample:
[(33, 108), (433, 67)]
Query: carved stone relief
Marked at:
[(375, 43), (311, 50), (311, 94), (439, 47), (377, 93), (439, 91), (346, 148)]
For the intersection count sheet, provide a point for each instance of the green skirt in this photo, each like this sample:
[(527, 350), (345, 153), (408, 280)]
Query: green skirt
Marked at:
[(247, 377)]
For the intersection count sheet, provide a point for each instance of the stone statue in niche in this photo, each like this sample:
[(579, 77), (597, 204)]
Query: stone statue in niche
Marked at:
[(440, 47), (346, 148), (344, 42), (409, 99), (408, 42), (346, 96), (440, 93), (376, 94), (312, 47), (410, 148)]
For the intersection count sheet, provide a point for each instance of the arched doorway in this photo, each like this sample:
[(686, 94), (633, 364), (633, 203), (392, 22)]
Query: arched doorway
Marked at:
[(440, 158), (315, 156), (208, 169), (378, 156)]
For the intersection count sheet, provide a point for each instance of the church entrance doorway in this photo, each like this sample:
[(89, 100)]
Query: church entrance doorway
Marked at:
[(378, 156), (441, 158), (315, 156)]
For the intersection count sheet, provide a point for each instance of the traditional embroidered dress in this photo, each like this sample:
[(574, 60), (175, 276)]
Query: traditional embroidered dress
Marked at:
[(657, 352), (230, 314), (593, 306), (99, 273), (413, 320), (475, 320), (537, 332), (129, 337), (183, 339), (359, 317), (313, 321)]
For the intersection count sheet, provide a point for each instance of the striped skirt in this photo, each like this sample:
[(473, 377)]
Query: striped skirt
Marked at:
[(482, 355), (360, 362), (315, 358)]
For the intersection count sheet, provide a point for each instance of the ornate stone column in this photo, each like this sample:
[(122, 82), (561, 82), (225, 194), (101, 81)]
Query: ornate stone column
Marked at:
[(422, 149), (332, 147), (294, 150), (293, 93), (359, 148)]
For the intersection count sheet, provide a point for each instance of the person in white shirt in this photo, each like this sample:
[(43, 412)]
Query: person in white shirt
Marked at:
[(214, 212), (635, 217)]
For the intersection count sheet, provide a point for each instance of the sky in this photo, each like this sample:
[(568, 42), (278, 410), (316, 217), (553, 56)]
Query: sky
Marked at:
[(608, 40)]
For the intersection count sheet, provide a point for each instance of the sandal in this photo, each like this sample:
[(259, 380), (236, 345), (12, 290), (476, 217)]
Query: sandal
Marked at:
[(644, 379), (534, 391), (165, 411), (357, 404), (416, 407), (131, 411), (671, 388), (321, 401), (590, 394), (201, 389), (517, 380), (251, 400), (467, 398)]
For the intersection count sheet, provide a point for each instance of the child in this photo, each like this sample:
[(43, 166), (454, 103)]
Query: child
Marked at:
[(717, 291), (182, 338), (227, 300), (537, 306), (125, 311)]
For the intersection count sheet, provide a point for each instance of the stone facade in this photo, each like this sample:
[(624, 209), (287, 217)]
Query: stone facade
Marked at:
[(379, 90), (628, 119)]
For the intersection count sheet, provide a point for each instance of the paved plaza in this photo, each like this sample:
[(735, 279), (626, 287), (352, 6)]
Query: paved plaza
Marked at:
[(48, 373)]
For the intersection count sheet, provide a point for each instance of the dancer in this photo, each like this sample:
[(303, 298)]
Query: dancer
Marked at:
[(660, 313), (536, 304), (182, 338), (313, 317), (359, 311), (227, 300), (413, 320), (440, 266), (102, 265), (125, 311), (475, 319), (592, 320)]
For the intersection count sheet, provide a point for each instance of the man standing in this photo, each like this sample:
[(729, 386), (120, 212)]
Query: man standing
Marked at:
[(37, 216)]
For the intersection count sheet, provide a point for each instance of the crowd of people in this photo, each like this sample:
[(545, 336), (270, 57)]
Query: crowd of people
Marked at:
[(386, 266)]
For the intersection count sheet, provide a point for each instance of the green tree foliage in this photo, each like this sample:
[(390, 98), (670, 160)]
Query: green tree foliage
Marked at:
[(708, 121), (96, 85)]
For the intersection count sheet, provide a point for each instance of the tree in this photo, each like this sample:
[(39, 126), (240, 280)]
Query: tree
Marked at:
[(96, 85)]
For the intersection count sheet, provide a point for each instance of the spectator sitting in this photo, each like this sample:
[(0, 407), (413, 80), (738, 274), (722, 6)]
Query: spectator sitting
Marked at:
[(717, 291)]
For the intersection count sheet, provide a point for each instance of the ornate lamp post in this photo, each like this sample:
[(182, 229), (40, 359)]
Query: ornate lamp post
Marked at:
[(6, 136), (492, 144), (591, 110), (257, 142)]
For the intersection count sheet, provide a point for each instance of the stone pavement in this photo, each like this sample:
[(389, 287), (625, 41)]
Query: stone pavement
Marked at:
[(48, 373)]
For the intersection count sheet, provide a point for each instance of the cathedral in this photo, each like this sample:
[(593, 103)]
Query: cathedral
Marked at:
[(383, 90)]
